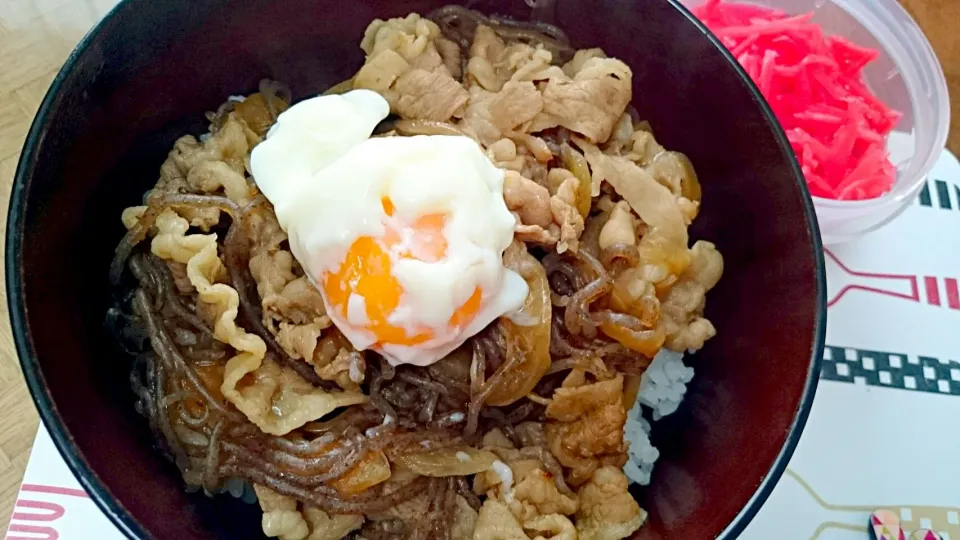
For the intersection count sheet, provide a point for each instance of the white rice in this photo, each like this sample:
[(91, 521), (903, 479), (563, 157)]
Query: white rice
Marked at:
[(642, 454), (662, 388), (664, 383), (235, 487)]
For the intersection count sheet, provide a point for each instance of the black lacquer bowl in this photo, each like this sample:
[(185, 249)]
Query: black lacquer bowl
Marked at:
[(150, 70)]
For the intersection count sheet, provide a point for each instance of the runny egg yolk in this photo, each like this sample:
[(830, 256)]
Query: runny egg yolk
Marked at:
[(366, 273)]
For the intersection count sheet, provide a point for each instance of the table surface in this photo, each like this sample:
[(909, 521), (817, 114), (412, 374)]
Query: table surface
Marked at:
[(35, 38)]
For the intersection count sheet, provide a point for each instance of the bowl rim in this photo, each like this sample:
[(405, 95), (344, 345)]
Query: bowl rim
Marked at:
[(763, 491), (127, 523)]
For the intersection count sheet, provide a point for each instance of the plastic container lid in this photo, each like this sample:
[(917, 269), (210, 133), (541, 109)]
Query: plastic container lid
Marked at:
[(908, 77)]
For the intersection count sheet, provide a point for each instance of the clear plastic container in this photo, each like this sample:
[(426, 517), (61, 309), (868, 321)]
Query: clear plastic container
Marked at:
[(908, 77)]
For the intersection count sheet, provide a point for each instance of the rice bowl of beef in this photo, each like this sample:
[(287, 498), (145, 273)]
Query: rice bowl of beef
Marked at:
[(334, 341)]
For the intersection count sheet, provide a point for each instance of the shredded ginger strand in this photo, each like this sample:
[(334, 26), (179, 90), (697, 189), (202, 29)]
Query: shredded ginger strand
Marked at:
[(836, 125)]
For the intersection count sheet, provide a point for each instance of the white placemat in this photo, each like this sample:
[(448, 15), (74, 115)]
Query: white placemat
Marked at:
[(884, 429), (883, 432)]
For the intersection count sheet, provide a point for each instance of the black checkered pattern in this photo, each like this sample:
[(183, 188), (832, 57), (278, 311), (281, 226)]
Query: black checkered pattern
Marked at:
[(891, 370), (939, 194)]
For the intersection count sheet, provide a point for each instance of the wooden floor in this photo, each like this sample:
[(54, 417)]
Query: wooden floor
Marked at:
[(37, 35)]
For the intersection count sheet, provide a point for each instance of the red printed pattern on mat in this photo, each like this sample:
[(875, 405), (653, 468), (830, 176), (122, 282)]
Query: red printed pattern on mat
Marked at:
[(937, 291), (36, 518)]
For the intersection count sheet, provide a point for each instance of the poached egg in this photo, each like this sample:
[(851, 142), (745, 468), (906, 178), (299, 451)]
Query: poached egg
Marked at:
[(403, 236)]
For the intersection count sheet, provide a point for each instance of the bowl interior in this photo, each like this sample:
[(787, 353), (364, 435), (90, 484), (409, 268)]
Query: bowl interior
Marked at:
[(151, 70)]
